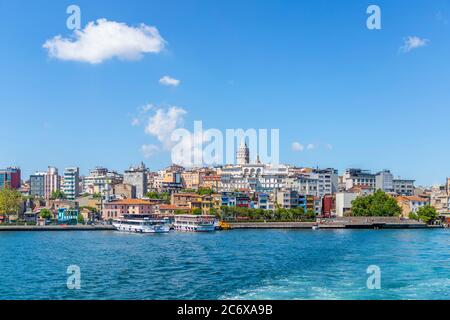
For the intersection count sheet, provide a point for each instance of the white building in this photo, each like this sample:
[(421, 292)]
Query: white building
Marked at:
[(404, 187), (304, 185), (358, 177), (100, 180), (384, 180), (71, 182), (327, 181), (243, 154), (344, 202)]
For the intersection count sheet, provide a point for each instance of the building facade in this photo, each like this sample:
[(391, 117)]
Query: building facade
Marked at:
[(10, 178), (37, 184), (384, 180), (137, 177), (71, 183), (358, 177), (52, 182), (116, 209), (243, 154), (404, 187)]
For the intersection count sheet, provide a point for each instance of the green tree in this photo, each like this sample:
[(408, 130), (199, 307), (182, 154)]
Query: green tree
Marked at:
[(413, 216), (58, 194), (197, 211), (378, 204), (97, 195), (80, 219), (165, 196), (427, 214), (46, 214), (10, 201), (310, 214), (205, 191)]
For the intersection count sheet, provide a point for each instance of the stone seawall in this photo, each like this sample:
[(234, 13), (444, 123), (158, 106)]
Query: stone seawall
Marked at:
[(329, 225), (57, 228)]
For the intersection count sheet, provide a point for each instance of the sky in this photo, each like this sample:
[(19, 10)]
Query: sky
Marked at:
[(341, 95)]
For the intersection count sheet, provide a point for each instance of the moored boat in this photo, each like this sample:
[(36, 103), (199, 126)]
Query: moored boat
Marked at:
[(194, 223), (142, 224)]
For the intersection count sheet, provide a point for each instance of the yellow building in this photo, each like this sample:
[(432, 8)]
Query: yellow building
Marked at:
[(193, 201)]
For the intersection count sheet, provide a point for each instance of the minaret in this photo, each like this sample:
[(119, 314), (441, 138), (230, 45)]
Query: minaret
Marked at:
[(243, 154)]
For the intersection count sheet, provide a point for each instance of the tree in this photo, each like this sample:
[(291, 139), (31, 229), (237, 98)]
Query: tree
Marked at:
[(413, 216), (58, 194), (378, 204), (197, 211), (427, 214), (205, 191), (165, 196), (310, 214), (46, 214), (80, 219), (97, 195), (10, 201)]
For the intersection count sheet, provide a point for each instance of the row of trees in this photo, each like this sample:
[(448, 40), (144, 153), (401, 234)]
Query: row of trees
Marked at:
[(235, 213), (164, 196)]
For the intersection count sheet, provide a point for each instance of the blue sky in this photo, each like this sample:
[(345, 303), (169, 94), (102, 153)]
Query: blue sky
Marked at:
[(310, 68)]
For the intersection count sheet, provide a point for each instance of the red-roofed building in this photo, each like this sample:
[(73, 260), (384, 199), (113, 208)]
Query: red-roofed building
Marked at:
[(116, 209)]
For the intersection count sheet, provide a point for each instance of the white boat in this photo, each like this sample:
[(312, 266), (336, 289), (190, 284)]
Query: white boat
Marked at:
[(147, 224), (315, 226), (194, 223)]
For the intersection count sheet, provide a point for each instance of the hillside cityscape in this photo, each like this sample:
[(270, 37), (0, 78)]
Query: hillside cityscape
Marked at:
[(250, 187)]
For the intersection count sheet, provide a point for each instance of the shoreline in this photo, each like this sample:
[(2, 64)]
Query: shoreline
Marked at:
[(58, 228), (243, 226)]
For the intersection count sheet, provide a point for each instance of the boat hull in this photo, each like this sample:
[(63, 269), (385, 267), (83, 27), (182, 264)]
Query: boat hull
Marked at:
[(195, 228), (142, 229)]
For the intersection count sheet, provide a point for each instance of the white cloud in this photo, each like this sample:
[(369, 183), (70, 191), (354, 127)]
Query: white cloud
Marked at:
[(163, 123), (329, 146), (169, 81), (103, 40), (297, 147), (310, 146), (413, 42), (149, 150)]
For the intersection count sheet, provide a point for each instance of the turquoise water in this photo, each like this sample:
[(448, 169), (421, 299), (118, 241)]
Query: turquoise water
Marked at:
[(247, 264)]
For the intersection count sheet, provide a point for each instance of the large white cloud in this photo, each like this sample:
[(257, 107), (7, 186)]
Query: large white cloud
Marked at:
[(103, 40), (164, 122)]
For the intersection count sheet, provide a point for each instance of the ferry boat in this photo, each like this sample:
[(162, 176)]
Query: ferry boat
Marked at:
[(142, 224), (195, 223)]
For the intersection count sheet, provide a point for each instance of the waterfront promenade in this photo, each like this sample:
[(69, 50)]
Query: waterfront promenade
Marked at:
[(56, 228), (338, 223)]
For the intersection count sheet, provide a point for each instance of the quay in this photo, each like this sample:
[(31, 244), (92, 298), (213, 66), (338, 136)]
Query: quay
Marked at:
[(57, 228), (338, 223)]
